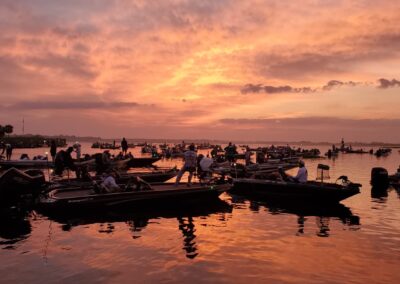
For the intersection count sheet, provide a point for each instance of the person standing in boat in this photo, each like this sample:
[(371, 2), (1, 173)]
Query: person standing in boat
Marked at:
[(78, 151), (214, 152), (190, 158), (9, 150), (3, 149), (260, 158), (247, 156), (124, 146), (53, 149), (230, 152)]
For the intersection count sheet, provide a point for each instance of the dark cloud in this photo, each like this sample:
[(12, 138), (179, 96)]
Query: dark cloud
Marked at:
[(385, 83), (323, 61), (69, 105), (250, 88), (335, 83), (300, 65), (259, 88)]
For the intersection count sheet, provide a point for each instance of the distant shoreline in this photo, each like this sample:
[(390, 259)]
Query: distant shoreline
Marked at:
[(72, 138)]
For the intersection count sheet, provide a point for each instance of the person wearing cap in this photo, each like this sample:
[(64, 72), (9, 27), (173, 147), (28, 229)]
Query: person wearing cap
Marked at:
[(190, 158), (302, 174), (301, 177), (77, 148), (109, 184)]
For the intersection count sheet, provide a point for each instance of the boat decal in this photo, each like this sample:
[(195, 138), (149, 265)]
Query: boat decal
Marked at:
[(80, 200)]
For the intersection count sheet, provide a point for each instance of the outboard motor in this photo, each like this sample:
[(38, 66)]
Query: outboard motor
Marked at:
[(379, 178)]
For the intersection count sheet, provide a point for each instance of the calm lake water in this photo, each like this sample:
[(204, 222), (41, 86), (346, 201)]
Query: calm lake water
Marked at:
[(230, 240)]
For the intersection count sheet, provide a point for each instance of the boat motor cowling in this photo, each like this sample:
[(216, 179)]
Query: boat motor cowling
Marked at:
[(379, 178)]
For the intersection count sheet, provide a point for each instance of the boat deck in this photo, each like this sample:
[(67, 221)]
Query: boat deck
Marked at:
[(170, 187)]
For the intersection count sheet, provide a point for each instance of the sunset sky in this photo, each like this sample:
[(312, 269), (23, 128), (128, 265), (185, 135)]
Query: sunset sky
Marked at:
[(218, 69)]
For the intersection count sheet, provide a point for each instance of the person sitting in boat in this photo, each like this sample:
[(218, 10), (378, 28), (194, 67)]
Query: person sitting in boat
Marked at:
[(190, 158), (204, 165), (302, 174), (24, 157), (82, 173), (301, 177), (63, 160), (260, 158), (53, 149), (214, 152), (39, 157), (128, 156), (109, 185), (120, 156), (106, 157)]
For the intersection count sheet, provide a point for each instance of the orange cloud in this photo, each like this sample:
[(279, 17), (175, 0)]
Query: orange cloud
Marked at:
[(191, 60)]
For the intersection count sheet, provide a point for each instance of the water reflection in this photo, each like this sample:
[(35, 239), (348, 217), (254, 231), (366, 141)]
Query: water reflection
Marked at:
[(397, 189), (187, 229), (14, 227), (380, 193), (138, 219), (322, 213)]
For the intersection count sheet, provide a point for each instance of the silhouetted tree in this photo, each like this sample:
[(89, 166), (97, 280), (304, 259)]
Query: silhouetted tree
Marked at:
[(8, 129)]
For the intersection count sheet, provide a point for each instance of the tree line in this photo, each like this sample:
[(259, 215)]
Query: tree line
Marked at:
[(6, 129)]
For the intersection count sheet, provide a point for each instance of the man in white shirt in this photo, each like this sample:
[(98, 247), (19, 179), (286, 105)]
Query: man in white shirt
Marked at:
[(301, 177), (204, 167), (190, 158), (302, 174), (109, 184), (77, 148)]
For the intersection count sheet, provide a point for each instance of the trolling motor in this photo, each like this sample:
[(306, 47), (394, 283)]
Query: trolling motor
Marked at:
[(322, 172)]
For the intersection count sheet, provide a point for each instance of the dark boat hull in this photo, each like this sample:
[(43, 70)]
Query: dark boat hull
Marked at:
[(40, 164), (76, 198), (150, 177), (15, 183), (296, 192), (24, 164), (142, 162), (136, 213)]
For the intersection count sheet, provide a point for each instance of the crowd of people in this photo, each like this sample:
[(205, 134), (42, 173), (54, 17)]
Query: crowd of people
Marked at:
[(193, 163)]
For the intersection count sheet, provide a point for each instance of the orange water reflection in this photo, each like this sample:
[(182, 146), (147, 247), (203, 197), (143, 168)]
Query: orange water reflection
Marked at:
[(235, 241)]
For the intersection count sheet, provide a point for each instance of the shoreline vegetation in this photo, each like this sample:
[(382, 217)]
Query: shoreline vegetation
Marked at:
[(72, 138)]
